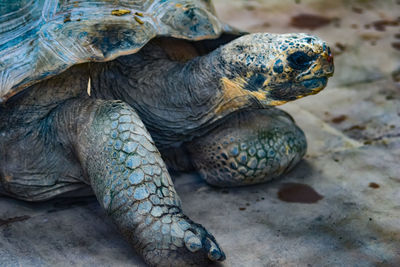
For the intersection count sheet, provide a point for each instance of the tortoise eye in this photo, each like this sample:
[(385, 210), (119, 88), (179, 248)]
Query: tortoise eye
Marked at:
[(299, 60)]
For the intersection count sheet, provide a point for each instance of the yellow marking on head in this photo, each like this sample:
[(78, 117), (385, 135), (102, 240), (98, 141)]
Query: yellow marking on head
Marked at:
[(277, 102), (268, 80), (315, 69), (233, 88), (120, 12), (234, 96), (316, 91), (259, 95), (287, 149), (249, 74)]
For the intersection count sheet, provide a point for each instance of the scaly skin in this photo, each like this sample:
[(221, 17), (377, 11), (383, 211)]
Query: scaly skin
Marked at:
[(178, 101), (132, 184), (249, 147), (61, 138)]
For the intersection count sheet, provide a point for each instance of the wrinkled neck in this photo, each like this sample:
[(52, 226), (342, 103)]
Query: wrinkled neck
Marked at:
[(198, 78), (172, 98)]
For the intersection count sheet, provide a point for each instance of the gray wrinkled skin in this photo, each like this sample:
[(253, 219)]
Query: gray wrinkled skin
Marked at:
[(132, 184), (206, 105), (194, 94)]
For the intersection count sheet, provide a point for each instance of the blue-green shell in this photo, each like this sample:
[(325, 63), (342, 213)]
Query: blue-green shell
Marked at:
[(41, 38)]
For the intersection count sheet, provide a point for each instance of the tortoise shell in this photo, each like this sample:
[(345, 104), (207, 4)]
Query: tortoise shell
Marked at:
[(42, 38)]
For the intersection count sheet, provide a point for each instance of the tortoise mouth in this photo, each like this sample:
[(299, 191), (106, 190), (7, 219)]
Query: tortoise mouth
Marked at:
[(314, 85), (294, 90)]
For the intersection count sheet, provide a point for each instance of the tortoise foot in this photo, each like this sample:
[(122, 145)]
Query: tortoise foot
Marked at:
[(182, 242)]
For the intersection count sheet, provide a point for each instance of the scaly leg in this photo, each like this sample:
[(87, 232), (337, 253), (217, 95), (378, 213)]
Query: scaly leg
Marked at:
[(132, 184), (249, 147)]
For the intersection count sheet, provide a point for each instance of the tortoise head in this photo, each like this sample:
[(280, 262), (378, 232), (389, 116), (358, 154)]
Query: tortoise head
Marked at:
[(277, 68)]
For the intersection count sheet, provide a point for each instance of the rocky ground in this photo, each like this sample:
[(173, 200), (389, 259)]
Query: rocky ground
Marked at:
[(339, 207)]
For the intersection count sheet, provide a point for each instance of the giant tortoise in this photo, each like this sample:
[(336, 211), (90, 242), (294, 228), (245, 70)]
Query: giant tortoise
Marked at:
[(101, 96)]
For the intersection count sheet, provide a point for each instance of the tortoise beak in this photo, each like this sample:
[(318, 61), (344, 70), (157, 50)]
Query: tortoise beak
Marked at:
[(327, 62)]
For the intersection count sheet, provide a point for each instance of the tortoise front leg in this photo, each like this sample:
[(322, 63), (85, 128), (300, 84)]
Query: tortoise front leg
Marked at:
[(132, 184), (248, 147)]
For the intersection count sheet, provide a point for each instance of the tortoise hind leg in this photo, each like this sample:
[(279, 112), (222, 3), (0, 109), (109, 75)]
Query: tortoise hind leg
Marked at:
[(249, 147), (132, 184)]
